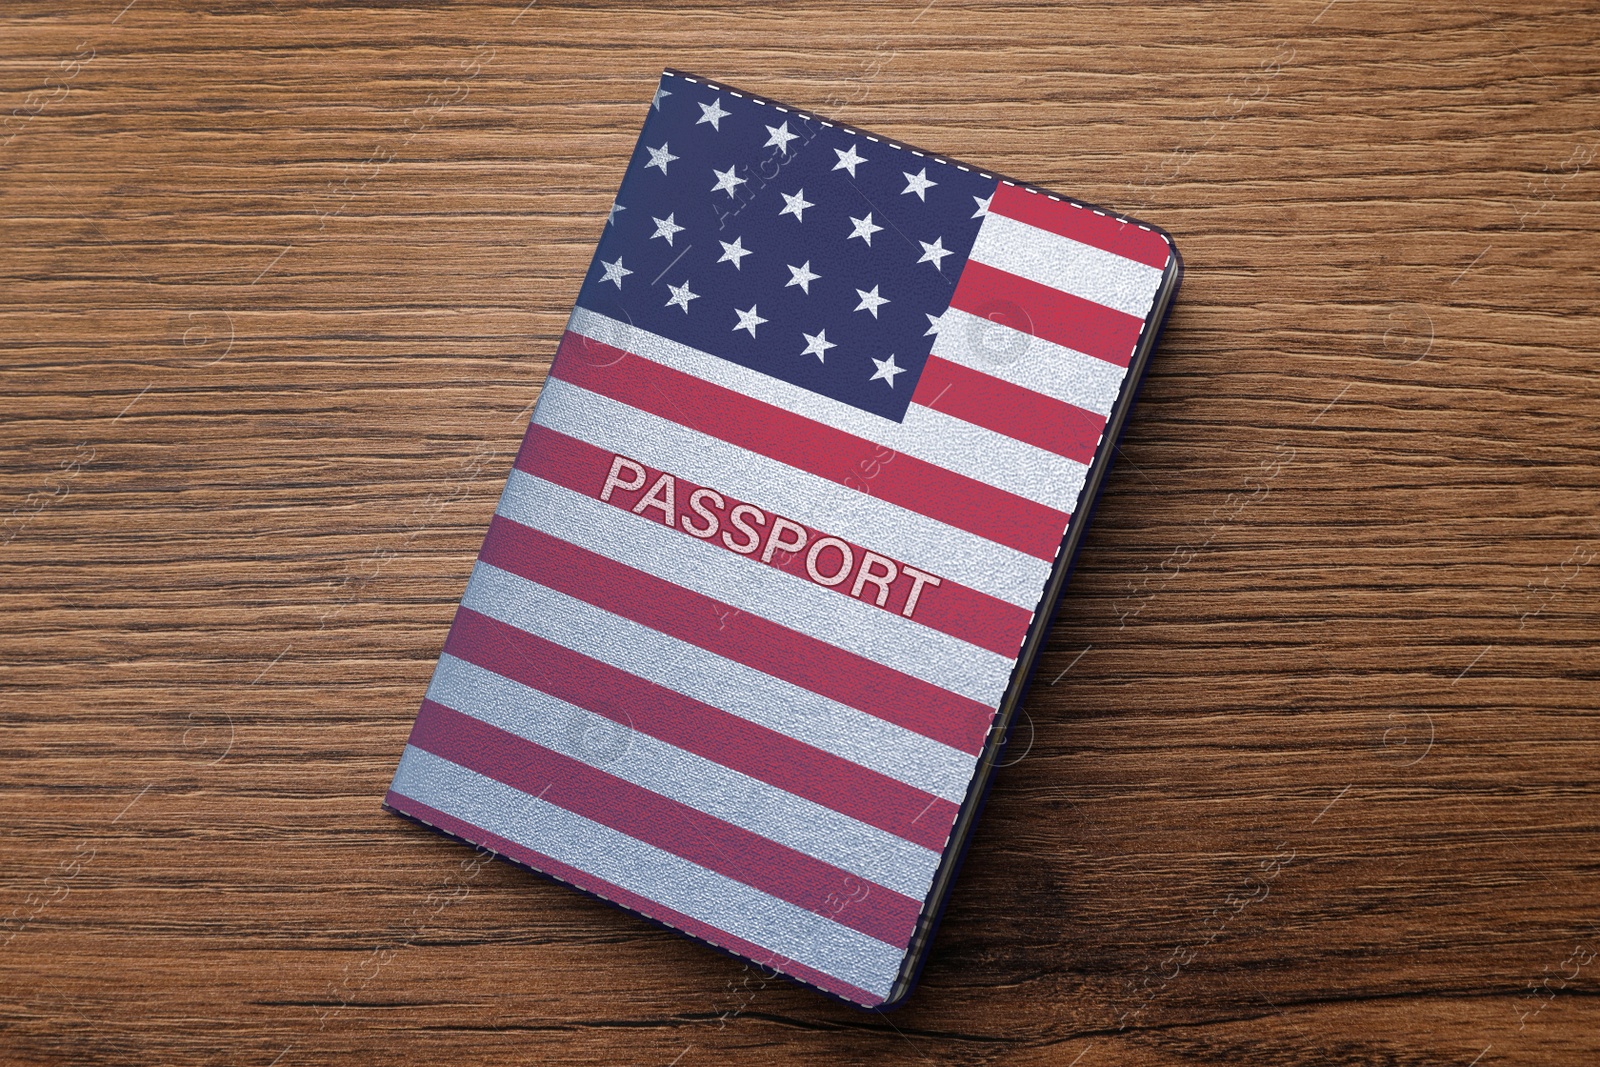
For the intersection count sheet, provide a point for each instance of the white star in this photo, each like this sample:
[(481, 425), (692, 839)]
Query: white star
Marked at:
[(734, 252), (870, 301), (816, 346), (660, 93), (983, 205), (886, 370), (802, 277), (748, 320), (780, 138), (864, 228), (615, 272), (848, 160), (796, 204), (934, 253), (726, 180), (918, 183), (665, 227), (681, 295), (659, 157), (713, 114), (611, 216), (935, 323)]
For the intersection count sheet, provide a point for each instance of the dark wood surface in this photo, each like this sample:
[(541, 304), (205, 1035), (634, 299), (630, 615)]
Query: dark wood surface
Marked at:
[(1308, 772)]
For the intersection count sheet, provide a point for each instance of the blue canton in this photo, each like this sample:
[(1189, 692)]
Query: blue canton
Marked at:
[(807, 252)]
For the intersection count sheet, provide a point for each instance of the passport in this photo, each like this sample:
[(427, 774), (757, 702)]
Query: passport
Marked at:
[(785, 535)]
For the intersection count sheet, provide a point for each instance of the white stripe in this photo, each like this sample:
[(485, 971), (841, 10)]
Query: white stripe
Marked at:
[(1067, 265), (932, 436), (803, 825), (786, 708), (989, 457), (655, 874), (935, 547), (750, 585), (1028, 361)]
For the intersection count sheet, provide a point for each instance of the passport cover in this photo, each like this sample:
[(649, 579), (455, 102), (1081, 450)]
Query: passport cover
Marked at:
[(785, 534)]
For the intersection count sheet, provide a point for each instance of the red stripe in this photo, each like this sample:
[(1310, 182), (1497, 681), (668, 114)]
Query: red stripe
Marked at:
[(686, 832), (1057, 316), (735, 743), (615, 894), (862, 683), (827, 452), (1113, 235), (953, 609), (1038, 420)]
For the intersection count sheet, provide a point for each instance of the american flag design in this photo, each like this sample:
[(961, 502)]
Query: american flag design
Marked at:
[(737, 650)]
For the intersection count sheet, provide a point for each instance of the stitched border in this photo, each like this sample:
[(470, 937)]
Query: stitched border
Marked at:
[(669, 72)]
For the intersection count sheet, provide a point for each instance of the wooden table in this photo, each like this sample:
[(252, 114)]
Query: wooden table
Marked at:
[(1308, 773)]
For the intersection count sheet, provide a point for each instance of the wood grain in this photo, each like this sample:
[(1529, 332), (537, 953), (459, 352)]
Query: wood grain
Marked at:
[(1308, 773)]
